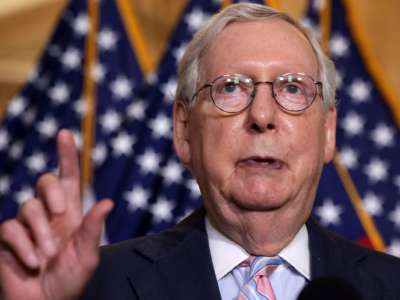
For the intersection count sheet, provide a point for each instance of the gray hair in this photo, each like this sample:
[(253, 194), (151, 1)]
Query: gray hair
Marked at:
[(189, 67)]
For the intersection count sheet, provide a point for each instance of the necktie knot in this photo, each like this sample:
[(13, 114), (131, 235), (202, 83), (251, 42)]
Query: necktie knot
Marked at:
[(259, 286), (264, 266)]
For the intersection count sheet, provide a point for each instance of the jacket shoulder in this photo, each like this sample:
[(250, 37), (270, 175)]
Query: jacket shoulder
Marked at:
[(374, 274), (124, 263)]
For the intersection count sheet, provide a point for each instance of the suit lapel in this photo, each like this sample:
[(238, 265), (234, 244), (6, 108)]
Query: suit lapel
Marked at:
[(178, 265)]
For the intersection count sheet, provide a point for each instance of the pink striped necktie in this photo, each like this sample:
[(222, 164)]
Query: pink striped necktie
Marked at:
[(259, 287)]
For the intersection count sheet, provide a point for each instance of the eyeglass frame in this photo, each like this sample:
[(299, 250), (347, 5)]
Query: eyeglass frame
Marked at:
[(318, 91)]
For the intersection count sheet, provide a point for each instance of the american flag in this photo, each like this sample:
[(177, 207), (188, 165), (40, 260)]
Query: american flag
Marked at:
[(132, 157), (359, 194), (133, 161), (137, 166), (50, 100)]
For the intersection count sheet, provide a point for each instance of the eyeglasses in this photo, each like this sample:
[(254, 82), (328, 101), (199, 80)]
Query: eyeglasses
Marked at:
[(294, 92)]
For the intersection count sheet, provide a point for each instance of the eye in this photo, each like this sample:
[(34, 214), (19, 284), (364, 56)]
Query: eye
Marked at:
[(292, 88), (230, 87)]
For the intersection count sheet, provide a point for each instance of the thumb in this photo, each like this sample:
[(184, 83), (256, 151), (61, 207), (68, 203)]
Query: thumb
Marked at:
[(87, 238)]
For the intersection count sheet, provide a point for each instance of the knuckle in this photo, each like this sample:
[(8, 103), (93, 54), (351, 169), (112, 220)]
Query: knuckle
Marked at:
[(48, 187)]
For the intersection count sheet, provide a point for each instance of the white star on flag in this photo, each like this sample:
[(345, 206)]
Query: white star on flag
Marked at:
[(59, 93), (376, 170), (110, 121), (339, 45), (172, 172), (36, 163), (136, 110), (329, 213), (107, 39), (122, 144), (137, 198), (16, 106), (121, 88), (353, 123), (149, 161), (81, 24), (195, 19), (349, 157), (359, 90), (383, 135), (71, 58), (162, 210), (373, 204), (161, 126), (47, 128)]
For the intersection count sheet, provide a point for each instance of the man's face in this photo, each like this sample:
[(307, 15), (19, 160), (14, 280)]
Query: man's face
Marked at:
[(263, 158)]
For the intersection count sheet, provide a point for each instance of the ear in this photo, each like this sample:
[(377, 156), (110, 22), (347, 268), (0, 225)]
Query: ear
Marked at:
[(330, 134), (181, 131)]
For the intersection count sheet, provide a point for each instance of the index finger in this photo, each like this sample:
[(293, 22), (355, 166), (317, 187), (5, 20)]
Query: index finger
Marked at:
[(68, 156)]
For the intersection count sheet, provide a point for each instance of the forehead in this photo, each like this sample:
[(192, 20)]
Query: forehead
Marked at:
[(260, 48)]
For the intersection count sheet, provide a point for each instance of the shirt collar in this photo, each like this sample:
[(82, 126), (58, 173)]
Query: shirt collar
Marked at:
[(226, 254)]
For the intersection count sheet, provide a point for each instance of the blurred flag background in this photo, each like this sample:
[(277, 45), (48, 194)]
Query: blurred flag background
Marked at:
[(98, 76)]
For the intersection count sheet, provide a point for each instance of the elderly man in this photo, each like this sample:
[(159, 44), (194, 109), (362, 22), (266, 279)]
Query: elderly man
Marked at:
[(254, 121)]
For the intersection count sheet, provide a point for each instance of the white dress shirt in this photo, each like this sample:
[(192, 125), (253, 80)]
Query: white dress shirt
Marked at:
[(287, 280)]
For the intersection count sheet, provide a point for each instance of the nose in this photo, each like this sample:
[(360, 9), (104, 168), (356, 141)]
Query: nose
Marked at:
[(262, 111)]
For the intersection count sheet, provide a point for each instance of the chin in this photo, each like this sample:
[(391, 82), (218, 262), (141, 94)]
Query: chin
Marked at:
[(255, 201)]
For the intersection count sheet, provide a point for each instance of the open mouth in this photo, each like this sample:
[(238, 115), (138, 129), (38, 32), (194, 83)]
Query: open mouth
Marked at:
[(263, 162)]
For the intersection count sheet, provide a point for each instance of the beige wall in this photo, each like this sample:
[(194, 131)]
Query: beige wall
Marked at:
[(25, 26)]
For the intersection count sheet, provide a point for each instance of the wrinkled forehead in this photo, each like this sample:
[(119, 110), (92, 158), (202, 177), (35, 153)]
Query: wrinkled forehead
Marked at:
[(270, 41)]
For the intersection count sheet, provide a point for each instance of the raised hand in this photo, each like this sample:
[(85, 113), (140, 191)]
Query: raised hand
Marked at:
[(50, 249)]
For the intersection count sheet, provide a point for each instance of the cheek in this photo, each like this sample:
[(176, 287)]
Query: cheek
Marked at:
[(309, 150), (213, 149)]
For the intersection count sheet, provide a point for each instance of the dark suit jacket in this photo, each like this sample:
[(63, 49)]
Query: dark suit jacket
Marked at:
[(176, 265)]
